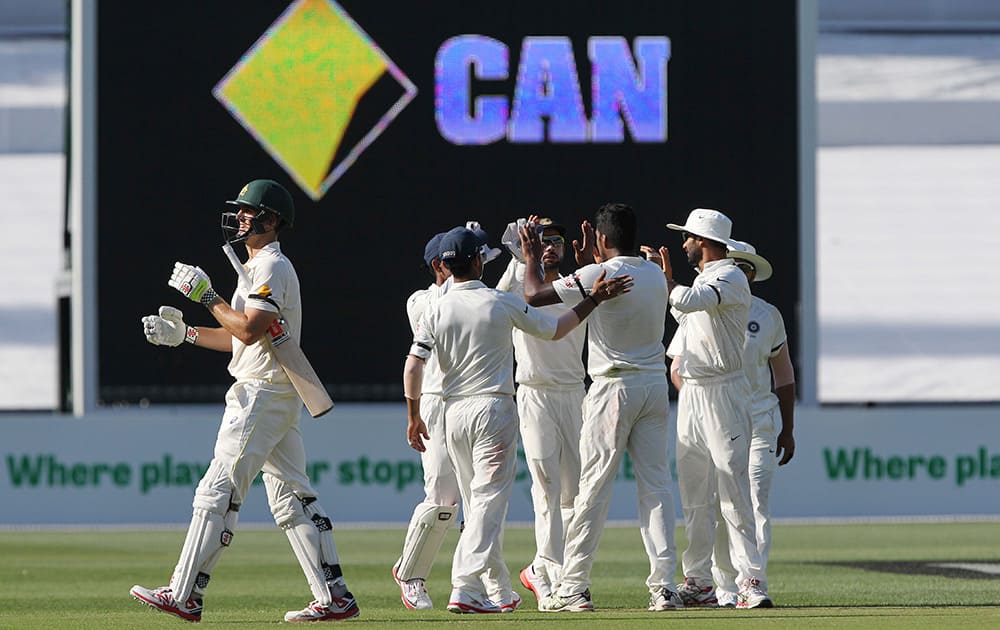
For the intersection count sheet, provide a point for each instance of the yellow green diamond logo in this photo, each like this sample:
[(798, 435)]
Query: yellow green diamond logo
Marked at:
[(313, 91)]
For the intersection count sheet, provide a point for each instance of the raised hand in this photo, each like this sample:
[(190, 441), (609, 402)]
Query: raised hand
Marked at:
[(531, 240), (612, 288), (586, 252), (192, 282), (166, 329)]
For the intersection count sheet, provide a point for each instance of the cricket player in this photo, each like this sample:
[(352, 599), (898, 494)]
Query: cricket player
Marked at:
[(625, 409), (470, 330), (713, 410), (549, 403), (765, 359), (260, 425), (436, 513)]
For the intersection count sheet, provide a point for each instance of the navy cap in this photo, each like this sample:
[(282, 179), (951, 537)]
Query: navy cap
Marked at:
[(433, 248), (461, 243)]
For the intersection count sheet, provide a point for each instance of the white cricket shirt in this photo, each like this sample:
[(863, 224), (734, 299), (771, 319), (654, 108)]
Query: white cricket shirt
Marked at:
[(626, 333), (764, 337), (416, 305), (715, 310), (274, 287), (543, 362), (469, 328)]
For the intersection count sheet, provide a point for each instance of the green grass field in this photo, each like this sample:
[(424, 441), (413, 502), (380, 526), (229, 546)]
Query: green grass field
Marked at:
[(80, 580)]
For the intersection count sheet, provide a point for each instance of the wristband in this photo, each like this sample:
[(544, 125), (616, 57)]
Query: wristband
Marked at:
[(208, 297), (191, 335), (596, 303)]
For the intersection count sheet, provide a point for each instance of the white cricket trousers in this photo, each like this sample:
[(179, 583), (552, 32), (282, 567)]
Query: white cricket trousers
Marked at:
[(481, 433), (714, 431), (440, 482), (259, 432), (550, 433), (762, 466), (627, 412)]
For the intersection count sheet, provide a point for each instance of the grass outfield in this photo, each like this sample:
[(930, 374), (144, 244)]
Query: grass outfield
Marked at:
[(80, 580)]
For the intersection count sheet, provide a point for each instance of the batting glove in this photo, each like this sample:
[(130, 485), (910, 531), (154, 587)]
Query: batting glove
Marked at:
[(193, 282), (168, 328)]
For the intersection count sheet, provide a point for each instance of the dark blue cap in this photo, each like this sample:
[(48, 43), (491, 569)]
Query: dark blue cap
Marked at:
[(461, 244), (433, 248)]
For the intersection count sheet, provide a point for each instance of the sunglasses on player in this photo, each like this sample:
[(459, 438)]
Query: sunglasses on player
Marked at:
[(555, 240)]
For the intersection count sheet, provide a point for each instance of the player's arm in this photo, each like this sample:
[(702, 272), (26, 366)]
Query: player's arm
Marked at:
[(675, 373), (214, 338), (784, 389), (247, 327), (194, 284), (413, 378)]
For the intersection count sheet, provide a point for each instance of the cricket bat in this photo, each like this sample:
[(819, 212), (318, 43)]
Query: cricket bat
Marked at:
[(288, 354)]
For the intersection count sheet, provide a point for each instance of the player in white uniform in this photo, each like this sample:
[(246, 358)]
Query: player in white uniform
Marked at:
[(765, 357), (470, 330), (260, 426), (435, 514), (625, 409), (549, 402), (713, 410)]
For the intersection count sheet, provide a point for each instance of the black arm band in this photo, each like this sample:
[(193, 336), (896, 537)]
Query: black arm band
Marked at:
[(596, 303)]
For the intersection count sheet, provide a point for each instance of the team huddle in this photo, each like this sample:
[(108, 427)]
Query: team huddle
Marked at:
[(459, 384), (729, 362)]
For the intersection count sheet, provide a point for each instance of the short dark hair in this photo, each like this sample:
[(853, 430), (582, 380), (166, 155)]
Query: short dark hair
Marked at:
[(460, 267), (616, 221)]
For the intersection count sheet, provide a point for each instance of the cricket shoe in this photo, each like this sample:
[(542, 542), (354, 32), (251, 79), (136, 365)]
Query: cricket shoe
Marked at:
[(512, 605), (343, 607), (577, 602), (413, 592), (694, 593), (664, 599), (536, 583), (753, 595), (727, 599), (162, 599), (465, 602)]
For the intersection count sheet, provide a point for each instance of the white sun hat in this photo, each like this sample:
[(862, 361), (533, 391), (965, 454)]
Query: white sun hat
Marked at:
[(710, 224), (741, 250)]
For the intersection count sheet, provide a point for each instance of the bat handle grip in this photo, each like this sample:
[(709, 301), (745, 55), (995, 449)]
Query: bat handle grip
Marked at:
[(237, 265)]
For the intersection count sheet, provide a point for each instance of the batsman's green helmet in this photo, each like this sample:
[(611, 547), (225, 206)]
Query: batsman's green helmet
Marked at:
[(267, 194)]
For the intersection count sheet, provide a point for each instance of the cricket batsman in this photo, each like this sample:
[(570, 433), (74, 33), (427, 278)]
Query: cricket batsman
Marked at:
[(260, 425)]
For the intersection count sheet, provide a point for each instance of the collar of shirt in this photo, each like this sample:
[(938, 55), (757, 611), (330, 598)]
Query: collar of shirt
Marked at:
[(724, 262), (468, 285)]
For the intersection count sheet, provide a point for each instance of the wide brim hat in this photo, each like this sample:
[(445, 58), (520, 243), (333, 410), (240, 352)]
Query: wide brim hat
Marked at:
[(706, 223), (741, 250)]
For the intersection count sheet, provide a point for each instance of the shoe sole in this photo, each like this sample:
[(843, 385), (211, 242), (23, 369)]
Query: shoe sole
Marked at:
[(767, 603), (465, 609), (511, 607), (159, 607), (350, 613)]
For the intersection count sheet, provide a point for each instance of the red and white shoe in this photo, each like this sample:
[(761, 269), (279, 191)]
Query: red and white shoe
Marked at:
[(536, 583), (162, 599), (512, 605), (753, 595), (341, 608), (413, 592), (695, 592), (465, 602)]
